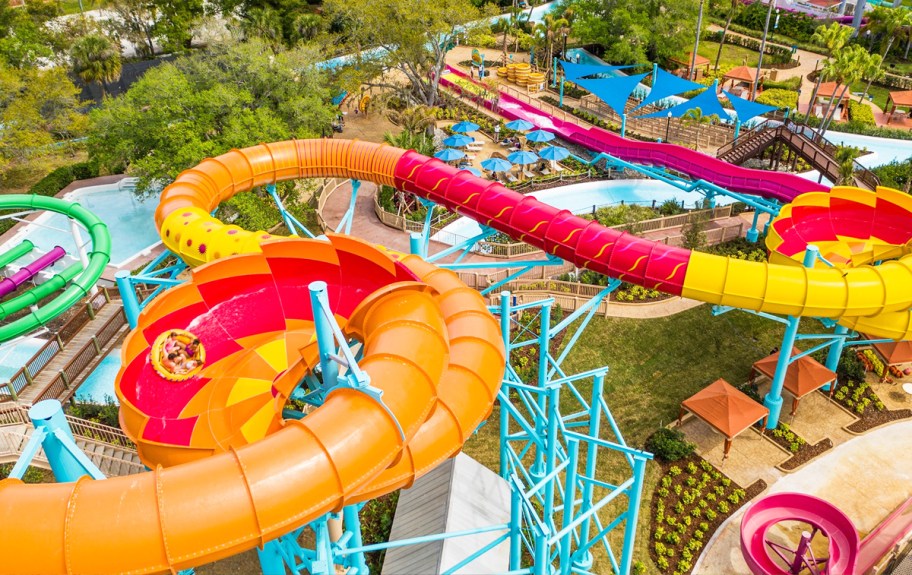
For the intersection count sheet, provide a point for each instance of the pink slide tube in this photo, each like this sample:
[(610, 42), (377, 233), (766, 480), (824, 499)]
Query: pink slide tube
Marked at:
[(12, 283)]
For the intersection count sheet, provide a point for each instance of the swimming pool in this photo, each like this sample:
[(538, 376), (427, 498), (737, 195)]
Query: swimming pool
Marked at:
[(13, 355), (582, 197), (129, 220), (100, 383)]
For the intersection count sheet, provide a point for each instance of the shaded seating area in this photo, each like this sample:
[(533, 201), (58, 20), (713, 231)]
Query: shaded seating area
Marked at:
[(895, 352), (701, 64), (725, 409), (819, 107), (737, 77), (896, 100), (803, 375)]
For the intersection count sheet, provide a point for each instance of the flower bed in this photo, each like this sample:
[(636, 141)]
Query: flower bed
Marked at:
[(690, 502), (792, 442)]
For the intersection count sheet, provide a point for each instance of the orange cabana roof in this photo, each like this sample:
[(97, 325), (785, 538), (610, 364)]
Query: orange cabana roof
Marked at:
[(827, 88), (902, 98), (895, 352), (802, 377), (725, 408), (742, 74), (686, 60)]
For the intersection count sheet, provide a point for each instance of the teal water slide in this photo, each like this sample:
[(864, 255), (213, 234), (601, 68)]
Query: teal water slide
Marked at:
[(75, 281)]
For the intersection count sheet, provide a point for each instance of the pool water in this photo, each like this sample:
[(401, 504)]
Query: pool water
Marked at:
[(13, 355), (100, 383), (582, 197), (129, 220)]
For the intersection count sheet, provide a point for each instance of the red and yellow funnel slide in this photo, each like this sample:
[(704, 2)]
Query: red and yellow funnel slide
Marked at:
[(228, 473)]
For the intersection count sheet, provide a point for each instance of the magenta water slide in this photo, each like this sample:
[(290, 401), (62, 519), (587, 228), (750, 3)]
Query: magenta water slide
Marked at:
[(29, 271), (772, 185)]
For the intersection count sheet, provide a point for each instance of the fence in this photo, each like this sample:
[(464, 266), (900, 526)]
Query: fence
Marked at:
[(15, 414), (19, 380), (63, 385)]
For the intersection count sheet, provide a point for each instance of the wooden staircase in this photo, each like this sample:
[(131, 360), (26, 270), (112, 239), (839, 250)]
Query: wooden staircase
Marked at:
[(804, 142)]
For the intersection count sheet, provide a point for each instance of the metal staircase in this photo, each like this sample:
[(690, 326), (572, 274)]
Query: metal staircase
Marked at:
[(808, 145)]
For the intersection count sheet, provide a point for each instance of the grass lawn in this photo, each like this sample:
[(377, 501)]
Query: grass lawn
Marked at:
[(653, 365), (877, 92), (72, 6), (731, 55)]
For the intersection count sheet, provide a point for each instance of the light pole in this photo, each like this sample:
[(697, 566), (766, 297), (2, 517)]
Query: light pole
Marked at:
[(776, 23), (769, 13), (667, 126), (693, 58)]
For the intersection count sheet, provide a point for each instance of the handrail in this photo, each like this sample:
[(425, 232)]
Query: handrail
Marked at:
[(11, 443), (98, 432)]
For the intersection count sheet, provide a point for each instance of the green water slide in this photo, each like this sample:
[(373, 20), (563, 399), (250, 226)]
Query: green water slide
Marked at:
[(80, 280)]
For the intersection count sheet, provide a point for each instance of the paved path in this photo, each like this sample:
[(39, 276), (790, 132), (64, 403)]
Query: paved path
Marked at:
[(867, 477)]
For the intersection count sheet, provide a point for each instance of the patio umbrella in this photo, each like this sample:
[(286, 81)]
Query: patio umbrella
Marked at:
[(496, 165), (519, 125), (523, 157), (463, 127), (473, 171), (539, 136), (458, 141), (554, 154), (449, 154)]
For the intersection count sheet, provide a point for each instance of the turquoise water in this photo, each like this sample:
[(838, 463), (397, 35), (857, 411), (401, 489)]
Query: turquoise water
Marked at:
[(100, 383), (14, 355), (129, 220)]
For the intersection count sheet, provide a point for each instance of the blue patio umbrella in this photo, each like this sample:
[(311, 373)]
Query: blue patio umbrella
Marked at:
[(496, 165), (449, 154), (539, 136), (522, 157), (554, 153), (473, 171), (458, 141), (463, 127), (519, 125)]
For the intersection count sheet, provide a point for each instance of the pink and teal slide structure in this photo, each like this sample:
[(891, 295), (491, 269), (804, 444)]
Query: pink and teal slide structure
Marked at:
[(10, 284)]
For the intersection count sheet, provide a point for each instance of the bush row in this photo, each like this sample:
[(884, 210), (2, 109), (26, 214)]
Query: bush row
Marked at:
[(861, 114), (778, 54)]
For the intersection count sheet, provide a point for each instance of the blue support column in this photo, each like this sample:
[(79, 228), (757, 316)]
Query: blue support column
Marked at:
[(270, 557), (753, 234), (554, 74), (319, 303), (835, 354), (635, 496), (773, 399), (128, 296), (504, 412), (560, 102), (623, 125), (416, 244), (353, 525), (48, 416), (737, 128), (539, 469), (582, 559), (515, 526)]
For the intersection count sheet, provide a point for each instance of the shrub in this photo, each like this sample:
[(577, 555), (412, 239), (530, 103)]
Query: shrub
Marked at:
[(691, 467), (861, 114), (723, 507), (780, 98), (669, 445)]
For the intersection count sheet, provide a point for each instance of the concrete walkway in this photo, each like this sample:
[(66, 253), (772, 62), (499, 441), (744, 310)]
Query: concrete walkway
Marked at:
[(867, 477)]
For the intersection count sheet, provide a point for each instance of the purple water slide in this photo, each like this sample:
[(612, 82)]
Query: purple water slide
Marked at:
[(885, 536), (773, 185), (10, 284)]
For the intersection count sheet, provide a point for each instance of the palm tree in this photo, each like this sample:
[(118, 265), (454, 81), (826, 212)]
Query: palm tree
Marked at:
[(416, 120), (732, 12), (872, 72), (845, 70), (695, 117), (845, 156), (549, 30), (95, 59), (512, 22), (306, 26), (889, 24), (833, 38)]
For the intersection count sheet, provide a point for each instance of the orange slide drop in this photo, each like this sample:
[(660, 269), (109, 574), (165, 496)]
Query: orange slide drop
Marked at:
[(229, 473)]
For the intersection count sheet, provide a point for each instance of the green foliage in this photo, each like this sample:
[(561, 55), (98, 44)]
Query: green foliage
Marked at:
[(105, 413), (670, 207), (861, 113), (669, 444), (782, 99), (792, 24), (626, 215), (205, 104), (792, 84), (376, 523), (96, 59), (693, 236), (32, 474), (896, 174)]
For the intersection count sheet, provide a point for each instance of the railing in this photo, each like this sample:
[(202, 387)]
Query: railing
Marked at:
[(16, 415), (12, 442), (13, 414)]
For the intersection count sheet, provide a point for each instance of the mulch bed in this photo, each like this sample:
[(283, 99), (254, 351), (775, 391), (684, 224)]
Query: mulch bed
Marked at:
[(804, 454), (671, 498), (871, 419)]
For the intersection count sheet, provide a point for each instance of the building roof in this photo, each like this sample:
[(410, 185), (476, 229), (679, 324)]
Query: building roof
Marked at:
[(901, 98), (742, 73), (725, 408), (802, 377), (688, 58), (895, 352), (827, 88)]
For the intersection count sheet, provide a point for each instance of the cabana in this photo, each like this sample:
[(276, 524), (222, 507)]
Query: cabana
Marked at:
[(686, 61), (803, 375), (826, 91), (741, 75), (725, 409), (901, 99), (895, 352)]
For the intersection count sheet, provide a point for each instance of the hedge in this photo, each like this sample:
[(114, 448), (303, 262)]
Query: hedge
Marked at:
[(780, 98), (856, 128), (778, 54), (861, 114), (895, 174)]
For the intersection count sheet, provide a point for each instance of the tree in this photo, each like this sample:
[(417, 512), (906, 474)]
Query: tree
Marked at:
[(844, 70), (25, 39), (513, 22), (833, 38), (204, 104), (695, 117), (693, 59), (845, 156), (889, 24), (549, 30), (414, 120), (872, 71), (285, 16), (692, 235), (135, 22), (411, 37), (636, 32), (95, 59), (732, 12)]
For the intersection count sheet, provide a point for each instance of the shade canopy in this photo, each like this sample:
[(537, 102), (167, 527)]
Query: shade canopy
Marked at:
[(803, 375), (539, 136), (665, 84), (458, 141), (895, 352), (463, 127), (742, 74), (496, 165), (523, 157), (707, 101), (745, 109), (554, 153), (519, 125), (827, 89), (613, 91), (686, 60), (725, 408), (901, 98), (471, 170), (573, 71), (449, 154)]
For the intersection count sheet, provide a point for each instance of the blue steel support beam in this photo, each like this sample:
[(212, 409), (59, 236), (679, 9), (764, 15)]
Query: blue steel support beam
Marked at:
[(345, 223), (59, 445), (128, 297), (319, 304)]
